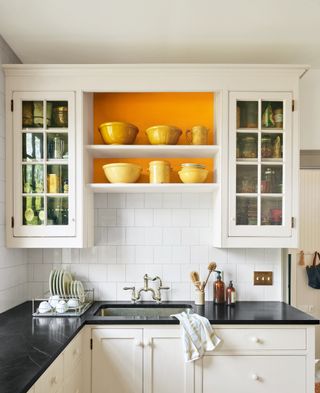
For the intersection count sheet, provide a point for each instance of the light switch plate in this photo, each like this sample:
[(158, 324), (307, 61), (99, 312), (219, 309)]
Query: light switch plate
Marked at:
[(262, 278)]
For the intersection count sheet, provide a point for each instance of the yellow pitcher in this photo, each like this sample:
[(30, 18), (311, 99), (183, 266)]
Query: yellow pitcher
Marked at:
[(198, 135)]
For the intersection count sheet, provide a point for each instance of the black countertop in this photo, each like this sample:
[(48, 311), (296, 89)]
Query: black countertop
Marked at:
[(29, 345)]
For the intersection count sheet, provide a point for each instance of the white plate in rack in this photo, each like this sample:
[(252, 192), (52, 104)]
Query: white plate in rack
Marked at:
[(51, 282), (66, 281)]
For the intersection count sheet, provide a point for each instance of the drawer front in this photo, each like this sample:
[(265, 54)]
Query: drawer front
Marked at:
[(72, 355), (253, 374), (261, 339), (51, 381)]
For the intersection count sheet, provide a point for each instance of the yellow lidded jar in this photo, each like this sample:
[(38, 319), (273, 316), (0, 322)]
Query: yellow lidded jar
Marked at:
[(159, 171)]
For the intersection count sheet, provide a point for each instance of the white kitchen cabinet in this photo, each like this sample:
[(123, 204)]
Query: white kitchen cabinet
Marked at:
[(135, 360), (51, 381), (246, 213), (42, 169), (164, 367), (252, 374), (117, 358), (258, 359)]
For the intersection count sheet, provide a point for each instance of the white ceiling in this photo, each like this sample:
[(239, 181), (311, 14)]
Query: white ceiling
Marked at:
[(163, 31)]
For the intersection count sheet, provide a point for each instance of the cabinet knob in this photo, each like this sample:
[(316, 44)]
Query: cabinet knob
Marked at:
[(138, 343), (53, 380), (148, 343), (76, 352), (255, 340), (255, 377)]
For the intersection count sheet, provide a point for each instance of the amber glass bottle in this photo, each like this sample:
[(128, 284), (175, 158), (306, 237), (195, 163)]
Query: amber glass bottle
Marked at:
[(231, 295), (219, 290)]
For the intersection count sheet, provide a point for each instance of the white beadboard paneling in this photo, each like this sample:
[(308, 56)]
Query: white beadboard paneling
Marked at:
[(126, 254), (162, 217), (171, 201), (116, 200), (98, 272), (162, 254), (153, 200), (144, 254), (116, 272), (135, 200), (106, 217), (107, 254), (310, 210), (116, 236), (181, 254), (181, 218), (199, 218), (190, 236), (171, 236)]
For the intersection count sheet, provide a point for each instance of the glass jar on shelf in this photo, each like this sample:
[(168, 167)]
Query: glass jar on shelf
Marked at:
[(266, 147), (249, 147)]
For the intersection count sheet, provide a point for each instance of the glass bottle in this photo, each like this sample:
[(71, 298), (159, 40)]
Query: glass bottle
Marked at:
[(266, 147), (218, 290), (231, 294), (249, 149)]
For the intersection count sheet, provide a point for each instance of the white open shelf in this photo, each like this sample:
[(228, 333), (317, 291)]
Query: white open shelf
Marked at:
[(146, 187), (163, 151)]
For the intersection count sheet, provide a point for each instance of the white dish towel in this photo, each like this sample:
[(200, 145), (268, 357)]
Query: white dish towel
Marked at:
[(197, 335)]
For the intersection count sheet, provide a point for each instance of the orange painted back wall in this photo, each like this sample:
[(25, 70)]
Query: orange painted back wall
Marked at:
[(144, 110)]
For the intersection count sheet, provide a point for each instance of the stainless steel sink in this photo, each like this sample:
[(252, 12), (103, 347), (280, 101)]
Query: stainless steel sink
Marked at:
[(142, 311)]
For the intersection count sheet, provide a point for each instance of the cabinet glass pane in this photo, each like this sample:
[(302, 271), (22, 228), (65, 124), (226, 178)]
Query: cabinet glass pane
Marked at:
[(33, 213), (58, 211), (271, 146), (247, 114), (272, 114), (57, 146), (57, 179), (247, 178), (32, 179), (32, 146), (247, 145), (271, 179), (57, 114), (246, 208), (271, 211), (32, 114)]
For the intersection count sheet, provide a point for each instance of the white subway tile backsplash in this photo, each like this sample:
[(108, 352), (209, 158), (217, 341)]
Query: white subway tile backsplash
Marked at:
[(116, 273), (143, 217), (171, 201), (116, 236), (106, 217), (171, 236), (97, 273), (144, 254), (168, 235), (162, 217), (181, 218), (153, 200), (134, 200), (199, 217), (153, 236), (125, 217), (116, 201), (126, 254), (107, 254)]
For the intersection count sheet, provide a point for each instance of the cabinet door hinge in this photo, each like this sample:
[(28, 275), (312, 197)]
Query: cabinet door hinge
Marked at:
[(12, 222), (91, 344), (292, 222), (293, 105), (11, 105)]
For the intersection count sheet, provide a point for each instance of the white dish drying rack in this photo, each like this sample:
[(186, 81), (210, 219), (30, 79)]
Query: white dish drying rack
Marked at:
[(71, 312)]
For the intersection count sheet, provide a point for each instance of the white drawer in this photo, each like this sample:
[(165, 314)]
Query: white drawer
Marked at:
[(253, 374), (72, 355), (261, 339), (52, 379)]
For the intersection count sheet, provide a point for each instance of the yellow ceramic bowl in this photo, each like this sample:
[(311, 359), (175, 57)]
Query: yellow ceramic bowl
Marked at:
[(163, 135), (122, 172), (118, 133), (193, 175)]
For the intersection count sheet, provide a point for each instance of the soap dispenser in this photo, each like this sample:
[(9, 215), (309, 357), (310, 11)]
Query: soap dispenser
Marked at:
[(218, 290)]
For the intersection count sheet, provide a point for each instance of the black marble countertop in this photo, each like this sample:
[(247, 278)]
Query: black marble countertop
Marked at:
[(29, 345)]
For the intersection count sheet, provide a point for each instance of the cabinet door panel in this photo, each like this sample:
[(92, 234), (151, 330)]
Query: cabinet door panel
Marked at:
[(260, 164), (253, 374), (165, 369), (117, 360)]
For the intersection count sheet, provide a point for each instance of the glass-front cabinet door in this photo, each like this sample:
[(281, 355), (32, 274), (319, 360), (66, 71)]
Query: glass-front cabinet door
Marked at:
[(260, 164), (44, 167)]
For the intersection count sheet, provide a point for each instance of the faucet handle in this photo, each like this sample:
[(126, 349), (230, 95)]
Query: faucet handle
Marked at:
[(129, 288), (164, 287)]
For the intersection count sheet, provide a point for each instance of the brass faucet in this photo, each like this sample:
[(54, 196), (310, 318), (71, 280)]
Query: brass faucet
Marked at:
[(156, 293)]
